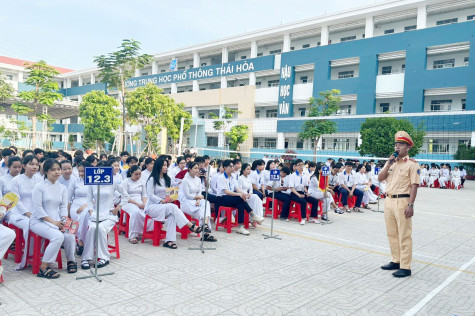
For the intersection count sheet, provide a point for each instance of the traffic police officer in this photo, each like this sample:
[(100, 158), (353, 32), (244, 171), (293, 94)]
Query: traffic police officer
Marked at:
[(402, 177)]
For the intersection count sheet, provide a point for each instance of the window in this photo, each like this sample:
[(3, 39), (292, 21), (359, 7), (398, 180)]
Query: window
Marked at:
[(400, 107), (259, 54), (440, 105), (243, 57), (439, 146), (181, 68), (257, 113), (470, 17), (162, 71), (201, 115), (346, 74), (344, 110), (305, 45), (271, 113), (384, 107), (273, 83), (304, 79), (144, 73), (448, 21), (403, 68), (465, 61), (390, 31), (276, 51), (444, 63), (201, 89), (318, 43), (255, 143), (299, 144), (302, 112), (203, 64), (258, 84), (9, 77), (270, 142), (292, 47), (348, 38), (464, 101), (386, 70), (212, 142), (410, 28), (341, 144)]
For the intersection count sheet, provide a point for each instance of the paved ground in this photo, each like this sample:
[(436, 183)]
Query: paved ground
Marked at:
[(313, 270)]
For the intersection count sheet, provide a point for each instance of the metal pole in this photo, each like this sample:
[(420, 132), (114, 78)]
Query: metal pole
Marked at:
[(272, 219), (182, 122)]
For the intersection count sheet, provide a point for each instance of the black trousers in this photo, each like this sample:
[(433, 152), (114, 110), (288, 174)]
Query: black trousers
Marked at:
[(285, 199), (303, 204), (236, 202)]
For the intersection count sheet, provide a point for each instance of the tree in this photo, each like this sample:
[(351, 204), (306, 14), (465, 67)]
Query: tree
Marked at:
[(174, 126), (6, 89), (377, 136), (237, 135), (465, 152), (224, 119), (116, 67), (327, 104), (101, 117), (44, 94)]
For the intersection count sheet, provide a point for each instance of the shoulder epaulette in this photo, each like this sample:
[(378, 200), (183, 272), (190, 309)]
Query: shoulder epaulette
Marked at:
[(413, 160)]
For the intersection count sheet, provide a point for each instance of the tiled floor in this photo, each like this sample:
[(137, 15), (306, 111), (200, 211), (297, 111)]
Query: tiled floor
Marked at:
[(313, 270)]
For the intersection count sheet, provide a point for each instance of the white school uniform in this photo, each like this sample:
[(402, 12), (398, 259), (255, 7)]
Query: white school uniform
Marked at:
[(456, 178), (135, 191), (65, 182), (145, 175), (424, 176), (6, 184), (7, 235), (297, 181), (257, 178), (168, 212), (51, 200), (107, 219), (213, 188), (3, 168), (117, 178), (254, 201), (444, 176), (316, 193), (77, 196), (172, 174), (189, 189), (225, 182), (23, 187), (433, 175)]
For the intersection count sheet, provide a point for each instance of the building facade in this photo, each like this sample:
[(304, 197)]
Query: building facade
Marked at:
[(411, 58)]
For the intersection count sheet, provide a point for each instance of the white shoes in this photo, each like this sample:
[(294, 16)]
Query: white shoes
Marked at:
[(241, 230), (257, 219), (302, 222), (1, 271), (313, 221)]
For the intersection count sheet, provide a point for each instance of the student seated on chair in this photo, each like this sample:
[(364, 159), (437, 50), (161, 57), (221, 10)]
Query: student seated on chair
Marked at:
[(315, 192), (245, 184), (282, 191), (348, 188), (50, 202), (230, 195), (257, 177), (299, 194)]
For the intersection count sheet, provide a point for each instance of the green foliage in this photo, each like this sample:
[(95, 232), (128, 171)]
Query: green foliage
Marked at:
[(465, 152), (237, 135), (100, 115), (225, 118), (173, 128), (6, 89), (377, 135)]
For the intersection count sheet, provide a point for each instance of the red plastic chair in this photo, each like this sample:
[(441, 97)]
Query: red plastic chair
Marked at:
[(124, 227), (295, 211), (1, 277), (19, 243), (156, 234), (115, 248), (35, 259), (268, 207), (228, 224), (351, 202)]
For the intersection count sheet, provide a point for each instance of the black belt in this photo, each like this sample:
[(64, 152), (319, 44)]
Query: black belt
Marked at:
[(397, 196)]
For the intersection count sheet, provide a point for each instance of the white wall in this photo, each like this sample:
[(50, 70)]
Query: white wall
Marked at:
[(336, 70), (266, 48), (459, 59), (456, 101), (398, 26), (335, 36), (390, 83), (298, 43), (396, 65), (394, 104), (460, 14)]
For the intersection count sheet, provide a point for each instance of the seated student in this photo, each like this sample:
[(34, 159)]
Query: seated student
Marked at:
[(131, 161), (433, 175), (230, 195), (6, 154), (147, 169), (39, 153), (117, 178), (282, 191), (77, 206), (50, 201), (14, 169), (372, 198), (237, 163), (245, 184), (22, 185), (103, 157), (7, 235), (347, 183), (444, 176), (157, 207), (270, 165), (172, 173), (77, 161), (333, 178), (123, 161), (213, 188), (315, 192), (192, 202), (455, 176), (299, 193), (363, 184), (257, 178), (134, 198), (66, 173), (107, 219)]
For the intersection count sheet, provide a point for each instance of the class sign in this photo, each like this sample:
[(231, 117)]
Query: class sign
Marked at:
[(98, 176)]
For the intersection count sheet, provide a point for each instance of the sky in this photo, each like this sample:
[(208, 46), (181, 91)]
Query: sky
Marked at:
[(70, 33)]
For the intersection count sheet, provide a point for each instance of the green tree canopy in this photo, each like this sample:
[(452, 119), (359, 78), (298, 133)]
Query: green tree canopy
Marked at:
[(6, 89), (328, 103), (465, 152), (101, 117), (45, 93), (237, 135), (377, 136)]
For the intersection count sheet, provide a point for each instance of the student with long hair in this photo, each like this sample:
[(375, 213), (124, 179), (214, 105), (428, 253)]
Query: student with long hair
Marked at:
[(315, 192), (22, 186), (77, 205), (192, 201), (14, 169), (66, 173), (245, 184), (257, 178), (134, 198), (299, 192), (147, 169), (158, 208), (50, 200)]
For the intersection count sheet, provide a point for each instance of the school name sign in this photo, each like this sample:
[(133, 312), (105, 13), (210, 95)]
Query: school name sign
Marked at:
[(218, 70)]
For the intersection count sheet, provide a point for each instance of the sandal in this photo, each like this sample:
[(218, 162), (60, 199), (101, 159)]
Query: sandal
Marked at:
[(48, 273), (85, 265), (208, 237), (170, 244), (102, 263), (133, 241), (207, 229), (79, 250), (195, 229), (355, 209), (72, 267)]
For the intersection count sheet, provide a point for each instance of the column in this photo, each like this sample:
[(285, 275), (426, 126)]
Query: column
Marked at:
[(286, 46), (20, 76), (174, 88), (369, 28), (194, 112), (224, 82), (252, 75), (154, 67), (422, 17), (324, 35), (80, 82), (79, 98), (93, 78), (137, 72), (221, 137), (68, 83), (196, 64), (280, 141)]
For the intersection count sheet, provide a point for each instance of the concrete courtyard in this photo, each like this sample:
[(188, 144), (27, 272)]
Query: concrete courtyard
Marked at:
[(314, 270)]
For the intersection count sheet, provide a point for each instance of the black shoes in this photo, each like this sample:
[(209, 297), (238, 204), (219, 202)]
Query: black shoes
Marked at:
[(402, 273), (391, 266)]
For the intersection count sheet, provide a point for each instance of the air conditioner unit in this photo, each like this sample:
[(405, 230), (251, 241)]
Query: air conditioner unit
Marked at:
[(447, 65)]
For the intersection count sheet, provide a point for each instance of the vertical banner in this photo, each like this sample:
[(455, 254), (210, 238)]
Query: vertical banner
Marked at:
[(286, 91), (174, 64)]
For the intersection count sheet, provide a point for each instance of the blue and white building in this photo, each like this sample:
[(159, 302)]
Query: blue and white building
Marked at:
[(409, 57)]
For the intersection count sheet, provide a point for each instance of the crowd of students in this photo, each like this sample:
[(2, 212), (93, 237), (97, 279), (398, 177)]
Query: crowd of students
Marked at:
[(442, 176), (51, 189)]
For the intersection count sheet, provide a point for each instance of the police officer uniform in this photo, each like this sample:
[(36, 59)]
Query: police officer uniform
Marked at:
[(402, 174)]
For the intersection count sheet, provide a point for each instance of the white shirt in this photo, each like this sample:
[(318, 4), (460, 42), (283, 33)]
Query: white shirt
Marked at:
[(346, 179), (190, 188), (214, 183), (6, 184), (65, 182), (245, 184), (49, 199), (297, 181), (106, 202), (77, 193), (155, 193), (360, 178), (3, 168), (132, 190), (23, 187), (225, 182)]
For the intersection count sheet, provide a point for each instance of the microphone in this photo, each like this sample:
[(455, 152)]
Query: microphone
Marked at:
[(395, 154)]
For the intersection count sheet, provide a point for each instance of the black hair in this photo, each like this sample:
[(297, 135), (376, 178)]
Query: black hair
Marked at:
[(155, 175), (91, 159), (38, 151), (191, 165), (244, 167), (49, 163), (206, 157), (258, 162), (7, 152), (285, 170), (147, 161), (131, 170), (78, 153), (84, 164), (12, 160), (268, 164), (178, 159), (124, 153), (78, 160), (110, 157), (103, 163), (52, 155), (14, 149), (359, 167), (65, 162), (349, 163), (103, 156), (296, 162), (28, 159), (227, 162), (236, 161), (312, 164), (26, 152), (199, 159), (130, 159)]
